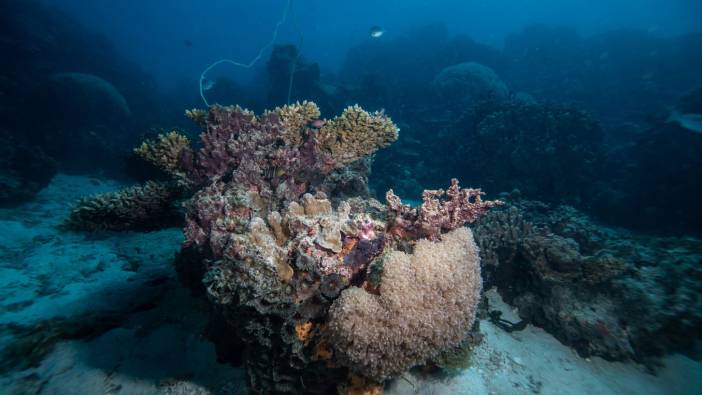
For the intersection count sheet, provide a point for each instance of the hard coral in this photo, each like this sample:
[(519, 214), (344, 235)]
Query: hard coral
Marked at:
[(434, 215), (426, 305), (356, 133), (141, 207), (601, 290), (296, 117), (274, 240), (168, 153)]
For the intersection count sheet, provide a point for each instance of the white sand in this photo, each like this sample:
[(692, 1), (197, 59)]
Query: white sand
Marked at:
[(532, 361)]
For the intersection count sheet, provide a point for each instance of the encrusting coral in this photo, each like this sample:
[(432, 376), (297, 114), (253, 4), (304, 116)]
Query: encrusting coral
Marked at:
[(274, 252)]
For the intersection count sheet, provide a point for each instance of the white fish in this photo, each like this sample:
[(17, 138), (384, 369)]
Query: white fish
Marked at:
[(688, 121), (376, 31)]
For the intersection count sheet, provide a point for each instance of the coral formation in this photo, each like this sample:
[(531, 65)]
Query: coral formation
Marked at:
[(435, 216), (356, 134), (467, 83), (600, 290), (426, 304), (275, 239), (167, 153), (147, 206)]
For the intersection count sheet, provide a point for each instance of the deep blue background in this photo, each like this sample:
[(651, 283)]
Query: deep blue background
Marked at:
[(153, 33)]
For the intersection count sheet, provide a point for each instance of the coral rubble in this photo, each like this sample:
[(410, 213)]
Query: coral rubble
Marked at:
[(294, 265)]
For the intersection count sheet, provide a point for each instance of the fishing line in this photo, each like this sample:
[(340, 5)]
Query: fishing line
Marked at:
[(282, 20)]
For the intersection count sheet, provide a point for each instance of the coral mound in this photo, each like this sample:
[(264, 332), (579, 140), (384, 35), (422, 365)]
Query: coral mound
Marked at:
[(274, 237), (426, 304), (467, 83)]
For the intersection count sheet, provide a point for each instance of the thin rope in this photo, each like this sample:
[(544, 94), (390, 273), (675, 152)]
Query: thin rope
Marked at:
[(253, 61)]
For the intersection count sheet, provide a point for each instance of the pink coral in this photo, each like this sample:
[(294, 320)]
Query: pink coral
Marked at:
[(435, 215)]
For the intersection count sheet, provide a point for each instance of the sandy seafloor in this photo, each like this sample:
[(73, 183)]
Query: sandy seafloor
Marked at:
[(104, 314)]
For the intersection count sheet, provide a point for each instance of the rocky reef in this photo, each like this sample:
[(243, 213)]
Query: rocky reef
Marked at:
[(603, 291), (312, 288)]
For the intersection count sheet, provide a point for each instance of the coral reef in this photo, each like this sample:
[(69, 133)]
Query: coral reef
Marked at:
[(275, 238), (67, 92), (550, 153), (547, 152), (600, 290), (148, 206), (97, 91), (465, 84)]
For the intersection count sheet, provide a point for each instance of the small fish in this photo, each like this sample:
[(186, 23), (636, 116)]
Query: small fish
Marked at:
[(317, 124), (207, 84), (376, 31), (688, 121), (187, 43)]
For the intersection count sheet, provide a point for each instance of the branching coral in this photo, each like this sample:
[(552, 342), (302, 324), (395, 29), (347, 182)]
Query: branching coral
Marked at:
[(435, 215), (426, 305), (356, 133), (140, 207), (296, 117), (170, 153)]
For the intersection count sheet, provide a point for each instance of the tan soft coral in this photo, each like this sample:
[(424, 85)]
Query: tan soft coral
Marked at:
[(426, 305), (356, 133)]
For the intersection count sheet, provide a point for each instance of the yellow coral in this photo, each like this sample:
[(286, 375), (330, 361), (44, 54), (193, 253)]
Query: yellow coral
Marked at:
[(356, 133), (166, 152), (197, 115), (295, 117)]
